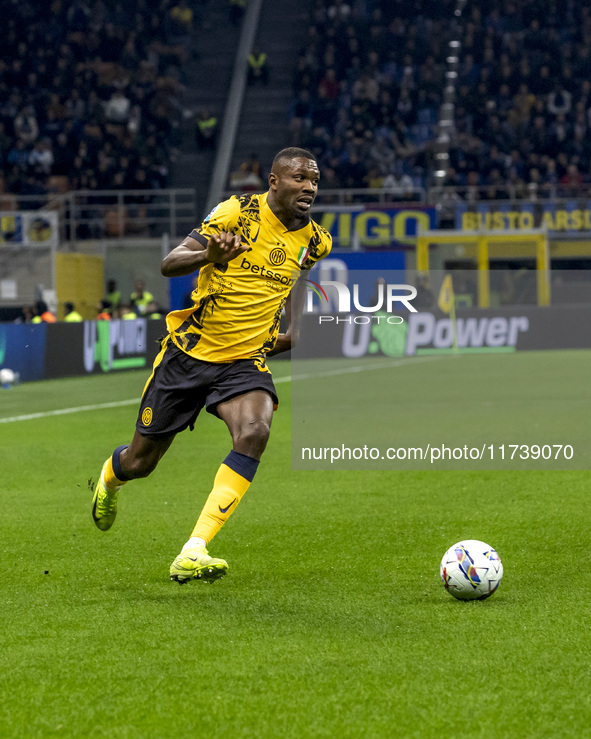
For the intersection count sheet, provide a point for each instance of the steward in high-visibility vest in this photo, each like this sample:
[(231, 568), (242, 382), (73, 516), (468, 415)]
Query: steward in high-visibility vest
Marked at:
[(140, 297), (205, 126), (45, 317), (257, 67), (43, 313), (71, 315), (113, 295), (127, 312), (104, 308), (206, 131)]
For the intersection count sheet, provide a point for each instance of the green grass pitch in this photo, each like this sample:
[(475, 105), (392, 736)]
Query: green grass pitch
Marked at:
[(332, 621)]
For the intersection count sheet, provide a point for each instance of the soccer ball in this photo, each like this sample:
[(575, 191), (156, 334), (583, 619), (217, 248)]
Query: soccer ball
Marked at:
[(471, 570), (7, 377)]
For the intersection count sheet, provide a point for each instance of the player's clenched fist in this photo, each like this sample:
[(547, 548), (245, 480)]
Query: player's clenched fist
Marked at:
[(223, 247)]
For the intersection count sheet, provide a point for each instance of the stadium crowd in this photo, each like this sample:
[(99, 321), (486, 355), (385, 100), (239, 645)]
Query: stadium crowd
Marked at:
[(367, 89), (523, 106), (368, 86), (90, 93)]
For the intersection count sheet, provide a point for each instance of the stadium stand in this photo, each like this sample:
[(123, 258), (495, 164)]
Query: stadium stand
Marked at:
[(280, 34), (209, 72), (96, 95), (90, 94), (524, 99), (368, 87)]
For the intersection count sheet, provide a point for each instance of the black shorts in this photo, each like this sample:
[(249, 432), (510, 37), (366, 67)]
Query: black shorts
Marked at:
[(180, 386)]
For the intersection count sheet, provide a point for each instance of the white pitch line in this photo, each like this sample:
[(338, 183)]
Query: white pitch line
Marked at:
[(66, 411), (357, 368), (279, 380)]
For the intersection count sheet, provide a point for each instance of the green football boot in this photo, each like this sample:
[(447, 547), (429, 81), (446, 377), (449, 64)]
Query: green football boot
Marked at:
[(196, 564), (104, 504)]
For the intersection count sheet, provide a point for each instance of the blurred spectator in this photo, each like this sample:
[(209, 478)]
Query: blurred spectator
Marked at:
[(300, 116), (117, 108), (339, 11), (127, 312), (382, 156), (374, 178), (42, 313), (18, 156), (248, 178), (366, 89), (559, 100), (572, 180), (42, 157), (27, 314), (140, 297), (25, 125), (397, 185), (258, 68), (206, 130), (113, 295), (329, 84), (74, 107), (104, 309), (71, 315), (153, 311), (182, 16)]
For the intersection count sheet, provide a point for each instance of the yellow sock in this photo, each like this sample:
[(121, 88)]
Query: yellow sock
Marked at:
[(228, 489), (109, 477)]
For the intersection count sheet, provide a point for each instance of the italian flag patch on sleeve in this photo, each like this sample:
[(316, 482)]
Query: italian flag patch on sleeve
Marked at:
[(303, 255)]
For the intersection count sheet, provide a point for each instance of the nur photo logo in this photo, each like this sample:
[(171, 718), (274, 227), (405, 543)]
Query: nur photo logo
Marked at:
[(317, 290), (388, 297)]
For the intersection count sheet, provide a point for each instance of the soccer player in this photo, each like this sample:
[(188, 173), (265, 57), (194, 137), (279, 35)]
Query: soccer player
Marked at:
[(247, 250)]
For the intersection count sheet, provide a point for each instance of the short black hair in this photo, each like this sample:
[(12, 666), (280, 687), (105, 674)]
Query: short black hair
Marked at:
[(293, 152)]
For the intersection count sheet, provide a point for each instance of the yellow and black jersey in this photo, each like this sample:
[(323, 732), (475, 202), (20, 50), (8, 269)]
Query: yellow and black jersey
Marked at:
[(237, 306)]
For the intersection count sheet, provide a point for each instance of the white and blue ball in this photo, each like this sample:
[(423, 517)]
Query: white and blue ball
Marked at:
[(8, 377), (471, 570)]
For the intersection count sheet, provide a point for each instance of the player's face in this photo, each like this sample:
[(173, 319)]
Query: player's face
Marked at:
[(295, 184)]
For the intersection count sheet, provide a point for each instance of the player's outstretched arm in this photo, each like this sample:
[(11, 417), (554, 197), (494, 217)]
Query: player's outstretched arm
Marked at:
[(191, 254), (294, 308)]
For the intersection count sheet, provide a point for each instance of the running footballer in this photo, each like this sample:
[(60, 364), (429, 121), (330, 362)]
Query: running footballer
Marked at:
[(214, 355)]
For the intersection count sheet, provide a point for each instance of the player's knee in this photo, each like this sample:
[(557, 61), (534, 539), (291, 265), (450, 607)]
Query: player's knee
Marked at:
[(252, 437)]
